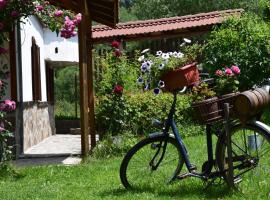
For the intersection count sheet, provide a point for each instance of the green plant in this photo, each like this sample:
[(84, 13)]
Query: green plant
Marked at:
[(202, 92), (153, 67), (244, 42)]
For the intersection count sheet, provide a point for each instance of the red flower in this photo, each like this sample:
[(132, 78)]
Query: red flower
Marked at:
[(115, 44), (118, 89), (117, 53)]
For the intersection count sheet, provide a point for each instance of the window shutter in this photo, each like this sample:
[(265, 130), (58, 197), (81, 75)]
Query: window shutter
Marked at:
[(36, 82)]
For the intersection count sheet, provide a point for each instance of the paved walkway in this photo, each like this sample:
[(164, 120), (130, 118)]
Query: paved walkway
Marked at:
[(57, 149), (56, 145)]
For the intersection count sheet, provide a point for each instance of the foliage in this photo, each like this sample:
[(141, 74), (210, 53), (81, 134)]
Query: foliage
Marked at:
[(153, 9), (202, 92), (117, 70), (114, 146), (153, 67), (265, 6), (242, 41), (227, 80), (139, 110)]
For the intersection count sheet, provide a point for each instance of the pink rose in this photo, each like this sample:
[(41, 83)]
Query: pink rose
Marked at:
[(235, 69), (15, 14), (228, 71), (219, 72), (3, 3)]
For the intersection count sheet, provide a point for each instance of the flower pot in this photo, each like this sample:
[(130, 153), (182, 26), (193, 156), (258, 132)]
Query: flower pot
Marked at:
[(227, 98), (181, 77), (207, 111)]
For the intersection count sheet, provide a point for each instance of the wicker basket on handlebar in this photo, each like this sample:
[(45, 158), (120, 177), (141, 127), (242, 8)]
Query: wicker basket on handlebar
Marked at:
[(187, 75)]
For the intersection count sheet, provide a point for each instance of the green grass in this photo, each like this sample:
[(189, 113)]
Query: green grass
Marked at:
[(99, 179)]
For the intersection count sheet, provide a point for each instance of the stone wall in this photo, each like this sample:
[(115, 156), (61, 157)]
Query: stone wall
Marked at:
[(38, 123)]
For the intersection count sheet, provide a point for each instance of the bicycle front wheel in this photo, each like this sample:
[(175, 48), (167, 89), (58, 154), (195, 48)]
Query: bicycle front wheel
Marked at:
[(151, 163), (250, 155)]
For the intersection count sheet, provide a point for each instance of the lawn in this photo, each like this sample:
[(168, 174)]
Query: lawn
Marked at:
[(99, 179)]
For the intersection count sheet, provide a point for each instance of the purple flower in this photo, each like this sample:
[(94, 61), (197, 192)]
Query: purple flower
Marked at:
[(156, 91), (39, 8), (58, 13), (7, 105), (3, 3), (140, 80)]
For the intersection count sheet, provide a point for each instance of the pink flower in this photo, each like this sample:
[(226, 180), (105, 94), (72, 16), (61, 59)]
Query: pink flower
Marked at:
[(39, 8), (78, 18), (2, 127), (58, 13), (115, 44), (228, 71), (118, 89), (9, 105), (219, 72), (3, 3), (15, 14), (3, 50), (1, 26), (235, 69)]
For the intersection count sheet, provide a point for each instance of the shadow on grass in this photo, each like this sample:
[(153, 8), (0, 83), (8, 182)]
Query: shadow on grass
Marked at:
[(183, 190), (8, 172)]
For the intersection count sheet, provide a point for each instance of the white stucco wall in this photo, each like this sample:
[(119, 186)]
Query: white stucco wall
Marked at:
[(67, 48), (32, 28)]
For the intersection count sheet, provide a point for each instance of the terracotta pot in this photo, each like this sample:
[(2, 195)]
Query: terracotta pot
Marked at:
[(250, 103), (207, 110), (227, 98), (181, 77)]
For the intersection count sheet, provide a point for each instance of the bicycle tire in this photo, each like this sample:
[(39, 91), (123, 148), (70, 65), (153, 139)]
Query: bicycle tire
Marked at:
[(142, 175), (248, 142)]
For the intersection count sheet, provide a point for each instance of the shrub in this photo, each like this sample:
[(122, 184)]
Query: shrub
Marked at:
[(139, 110), (244, 42)]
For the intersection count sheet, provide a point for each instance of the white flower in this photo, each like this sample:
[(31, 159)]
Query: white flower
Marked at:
[(161, 84), (170, 53), (183, 44), (161, 66), (149, 64), (180, 55), (187, 40), (141, 58), (159, 53), (175, 54), (144, 67), (145, 51), (165, 56)]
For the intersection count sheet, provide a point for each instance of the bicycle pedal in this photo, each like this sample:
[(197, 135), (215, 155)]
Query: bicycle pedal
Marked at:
[(237, 180), (193, 167), (183, 176)]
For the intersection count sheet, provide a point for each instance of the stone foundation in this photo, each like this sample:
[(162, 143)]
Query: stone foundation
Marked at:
[(38, 123)]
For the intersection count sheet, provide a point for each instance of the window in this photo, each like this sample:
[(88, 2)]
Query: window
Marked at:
[(36, 83)]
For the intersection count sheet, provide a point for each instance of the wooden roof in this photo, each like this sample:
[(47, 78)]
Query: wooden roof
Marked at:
[(160, 28)]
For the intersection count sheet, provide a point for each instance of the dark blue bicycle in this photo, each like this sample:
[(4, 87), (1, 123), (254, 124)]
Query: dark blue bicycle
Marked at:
[(159, 158)]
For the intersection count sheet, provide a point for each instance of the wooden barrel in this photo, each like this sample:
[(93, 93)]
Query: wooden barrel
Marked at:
[(249, 103)]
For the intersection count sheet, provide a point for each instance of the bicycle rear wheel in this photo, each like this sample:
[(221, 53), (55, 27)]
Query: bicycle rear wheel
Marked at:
[(250, 154), (151, 163)]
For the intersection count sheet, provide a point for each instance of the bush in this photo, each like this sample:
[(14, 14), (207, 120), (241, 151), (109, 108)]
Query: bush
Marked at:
[(139, 110), (244, 42)]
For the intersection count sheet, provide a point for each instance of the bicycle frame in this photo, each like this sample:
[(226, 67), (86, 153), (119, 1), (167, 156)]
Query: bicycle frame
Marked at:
[(170, 123)]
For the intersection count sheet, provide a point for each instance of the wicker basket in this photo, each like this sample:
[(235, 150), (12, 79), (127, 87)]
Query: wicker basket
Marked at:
[(181, 77), (207, 111)]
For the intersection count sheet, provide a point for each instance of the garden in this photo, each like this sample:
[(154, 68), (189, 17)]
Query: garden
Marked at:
[(133, 98)]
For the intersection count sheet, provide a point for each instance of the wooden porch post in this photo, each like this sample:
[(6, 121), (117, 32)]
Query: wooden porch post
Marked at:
[(84, 62)]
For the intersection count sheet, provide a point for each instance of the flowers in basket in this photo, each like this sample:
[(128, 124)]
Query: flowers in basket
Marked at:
[(226, 80), (153, 67)]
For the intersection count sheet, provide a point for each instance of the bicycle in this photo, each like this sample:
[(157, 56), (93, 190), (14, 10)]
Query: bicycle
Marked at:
[(160, 157)]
